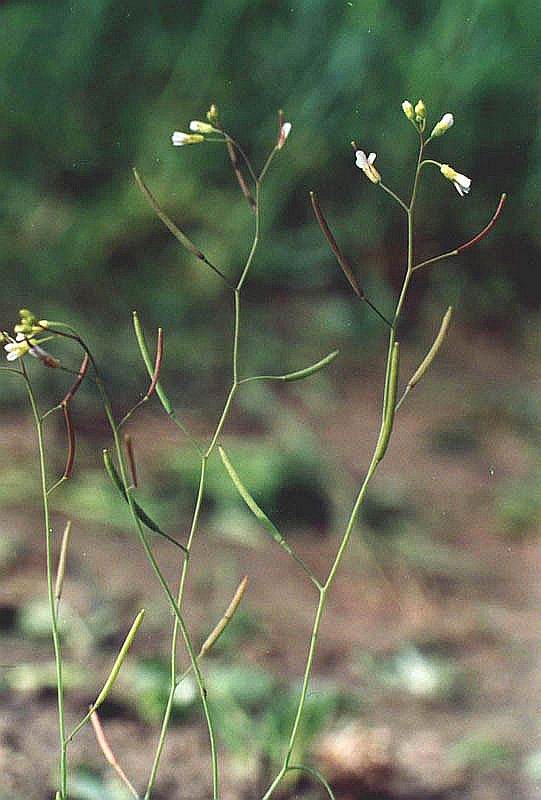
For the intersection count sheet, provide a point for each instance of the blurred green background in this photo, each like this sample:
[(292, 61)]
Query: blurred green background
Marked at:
[(90, 88)]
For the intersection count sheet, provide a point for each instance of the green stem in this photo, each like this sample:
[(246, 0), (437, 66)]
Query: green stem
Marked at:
[(389, 396), (174, 639), (150, 555), (394, 196), (63, 776), (315, 773), (204, 459)]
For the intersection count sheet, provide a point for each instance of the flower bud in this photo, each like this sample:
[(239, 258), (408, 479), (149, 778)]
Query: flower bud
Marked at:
[(23, 328), (420, 115), (212, 114), (202, 127), (441, 127), (285, 130), (407, 108)]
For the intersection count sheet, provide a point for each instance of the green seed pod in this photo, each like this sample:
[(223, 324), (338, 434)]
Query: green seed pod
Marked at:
[(307, 371), (139, 335), (387, 424), (108, 685), (430, 356), (140, 512)]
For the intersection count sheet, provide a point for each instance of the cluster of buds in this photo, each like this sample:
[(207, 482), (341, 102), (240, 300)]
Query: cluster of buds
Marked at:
[(417, 116), (199, 129), (24, 340)]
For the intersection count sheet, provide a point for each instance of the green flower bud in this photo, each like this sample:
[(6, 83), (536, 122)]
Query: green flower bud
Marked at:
[(212, 115), (420, 115)]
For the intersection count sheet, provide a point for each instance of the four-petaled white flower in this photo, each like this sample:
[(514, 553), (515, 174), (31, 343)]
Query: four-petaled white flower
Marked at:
[(179, 138), (461, 182), (367, 165), (20, 347), (23, 345), (285, 130)]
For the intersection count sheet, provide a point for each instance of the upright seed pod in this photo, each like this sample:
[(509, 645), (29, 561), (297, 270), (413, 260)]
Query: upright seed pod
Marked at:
[(390, 409)]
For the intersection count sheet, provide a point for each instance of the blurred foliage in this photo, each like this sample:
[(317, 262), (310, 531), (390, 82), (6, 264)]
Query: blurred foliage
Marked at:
[(431, 676), (483, 752), (89, 784), (88, 89), (518, 506), (251, 708)]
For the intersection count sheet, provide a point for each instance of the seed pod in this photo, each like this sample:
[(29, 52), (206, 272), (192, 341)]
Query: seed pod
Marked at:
[(430, 356), (307, 371), (108, 685), (387, 425)]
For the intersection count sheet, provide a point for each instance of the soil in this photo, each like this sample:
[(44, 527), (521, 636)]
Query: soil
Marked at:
[(471, 590)]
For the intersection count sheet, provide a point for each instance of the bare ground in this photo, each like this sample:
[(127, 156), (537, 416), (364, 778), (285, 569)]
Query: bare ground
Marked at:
[(483, 605)]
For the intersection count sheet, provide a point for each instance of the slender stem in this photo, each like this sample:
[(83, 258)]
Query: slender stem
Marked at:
[(267, 164), (204, 459), (315, 773), (429, 161), (50, 589), (255, 241), (150, 555), (435, 259), (376, 459), (395, 197), (174, 639)]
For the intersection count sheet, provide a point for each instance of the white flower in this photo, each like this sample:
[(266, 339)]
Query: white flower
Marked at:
[(446, 122), (366, 164), (18, 348), (285, 130), (461, 182), (202, 127), (23, 345), (178, 138)]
